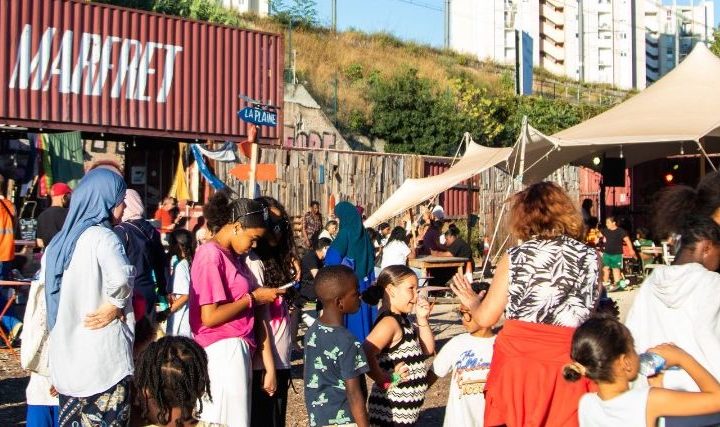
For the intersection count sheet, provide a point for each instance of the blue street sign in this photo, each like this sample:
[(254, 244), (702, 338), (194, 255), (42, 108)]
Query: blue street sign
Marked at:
[(258, 116)]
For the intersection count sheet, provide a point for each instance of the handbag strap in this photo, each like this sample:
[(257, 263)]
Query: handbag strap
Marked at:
[(12, 217)]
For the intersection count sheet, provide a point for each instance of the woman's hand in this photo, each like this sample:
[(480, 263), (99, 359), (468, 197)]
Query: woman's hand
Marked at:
[(266, 295), (270, 383), (461, 287), (102, 317)]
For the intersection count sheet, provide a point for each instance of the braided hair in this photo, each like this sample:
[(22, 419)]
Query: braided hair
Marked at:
[(171, 373)]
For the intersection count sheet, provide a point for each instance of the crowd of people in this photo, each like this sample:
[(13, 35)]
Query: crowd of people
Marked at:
[(540, 348)]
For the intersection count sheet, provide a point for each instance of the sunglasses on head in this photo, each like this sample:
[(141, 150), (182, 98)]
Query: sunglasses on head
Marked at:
[(278, 226), (236, 217)]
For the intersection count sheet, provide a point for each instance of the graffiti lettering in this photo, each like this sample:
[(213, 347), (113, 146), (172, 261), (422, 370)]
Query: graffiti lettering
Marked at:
[(312, 139)]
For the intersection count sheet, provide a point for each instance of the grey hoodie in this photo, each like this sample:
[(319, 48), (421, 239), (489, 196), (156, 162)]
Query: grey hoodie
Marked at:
[(679, 304)]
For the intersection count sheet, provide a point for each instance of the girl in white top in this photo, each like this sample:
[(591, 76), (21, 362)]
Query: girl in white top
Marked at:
[(396, 251), (182, 247), (603, 350)]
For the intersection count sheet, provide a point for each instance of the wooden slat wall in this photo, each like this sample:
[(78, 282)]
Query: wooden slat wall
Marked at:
[(365, 179), (368, 179)]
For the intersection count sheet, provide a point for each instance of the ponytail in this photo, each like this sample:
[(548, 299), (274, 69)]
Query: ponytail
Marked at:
[(596, 345), (391, 275), (573, 372), (373, 295)]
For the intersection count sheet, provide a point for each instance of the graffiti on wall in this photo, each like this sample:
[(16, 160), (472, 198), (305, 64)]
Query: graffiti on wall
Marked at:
[(311, 139)]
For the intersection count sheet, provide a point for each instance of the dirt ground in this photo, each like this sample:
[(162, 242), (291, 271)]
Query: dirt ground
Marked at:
[(444, 321)]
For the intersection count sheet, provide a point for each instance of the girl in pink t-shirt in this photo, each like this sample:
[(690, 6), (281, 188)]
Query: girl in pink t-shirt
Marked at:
[(223, 302)]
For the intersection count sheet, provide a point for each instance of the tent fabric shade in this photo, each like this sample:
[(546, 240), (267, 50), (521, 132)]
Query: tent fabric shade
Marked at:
[(412, 192), (678, 110)]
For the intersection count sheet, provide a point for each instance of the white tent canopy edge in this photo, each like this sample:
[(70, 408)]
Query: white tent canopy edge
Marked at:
[(680, 113), (414, 191)]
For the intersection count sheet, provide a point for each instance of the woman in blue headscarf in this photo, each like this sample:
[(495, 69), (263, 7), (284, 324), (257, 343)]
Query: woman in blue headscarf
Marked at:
[(352, 246), (88, 288)]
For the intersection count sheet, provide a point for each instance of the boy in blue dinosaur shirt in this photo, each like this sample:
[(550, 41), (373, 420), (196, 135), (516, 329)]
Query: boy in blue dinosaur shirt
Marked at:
[(335, 363)]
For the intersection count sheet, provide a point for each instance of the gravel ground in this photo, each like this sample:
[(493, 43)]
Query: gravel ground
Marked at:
[(444, 321)]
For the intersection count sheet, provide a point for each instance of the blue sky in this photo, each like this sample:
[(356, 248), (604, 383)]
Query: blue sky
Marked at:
[(418, 20)]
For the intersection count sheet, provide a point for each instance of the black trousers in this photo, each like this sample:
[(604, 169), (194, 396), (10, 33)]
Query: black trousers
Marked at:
[(269, 411)]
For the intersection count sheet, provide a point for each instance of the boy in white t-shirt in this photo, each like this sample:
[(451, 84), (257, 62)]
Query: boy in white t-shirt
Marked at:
[(468, 357)]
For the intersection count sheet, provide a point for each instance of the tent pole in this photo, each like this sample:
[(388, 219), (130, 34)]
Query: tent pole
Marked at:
[(522, 149), (522, 140), (702, 150), (464, 141)]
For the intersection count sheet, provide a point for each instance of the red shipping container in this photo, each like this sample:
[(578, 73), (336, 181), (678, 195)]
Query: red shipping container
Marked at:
[(71, 65)]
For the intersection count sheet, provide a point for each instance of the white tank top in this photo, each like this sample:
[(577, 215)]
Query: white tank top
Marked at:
[(628, 409)]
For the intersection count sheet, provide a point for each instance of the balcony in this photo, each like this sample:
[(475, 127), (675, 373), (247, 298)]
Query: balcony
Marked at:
[(552, 13), (553, 66), (651, 49), (552, 32), (548, 47)]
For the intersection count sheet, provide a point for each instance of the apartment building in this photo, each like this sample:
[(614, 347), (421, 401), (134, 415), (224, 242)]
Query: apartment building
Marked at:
[(672, 32), (624, 43)]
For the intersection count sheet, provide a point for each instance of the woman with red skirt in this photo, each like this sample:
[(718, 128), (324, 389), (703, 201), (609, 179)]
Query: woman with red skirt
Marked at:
[(546, 287)]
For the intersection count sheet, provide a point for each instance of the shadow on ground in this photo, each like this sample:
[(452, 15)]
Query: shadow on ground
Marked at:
[(12, 400)]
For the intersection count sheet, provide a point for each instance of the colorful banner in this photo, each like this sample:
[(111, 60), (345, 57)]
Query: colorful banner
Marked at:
[(226, 153), (179, 189), (204, 170)]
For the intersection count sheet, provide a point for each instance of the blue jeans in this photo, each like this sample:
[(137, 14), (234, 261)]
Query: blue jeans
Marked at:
[(9, 320)]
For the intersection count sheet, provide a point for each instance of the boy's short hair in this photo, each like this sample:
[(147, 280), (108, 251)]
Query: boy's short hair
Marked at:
[(332, 282), (322, 243)]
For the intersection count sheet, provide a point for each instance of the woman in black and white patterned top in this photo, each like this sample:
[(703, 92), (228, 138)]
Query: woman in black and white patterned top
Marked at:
[(546, 286), (552, 281)]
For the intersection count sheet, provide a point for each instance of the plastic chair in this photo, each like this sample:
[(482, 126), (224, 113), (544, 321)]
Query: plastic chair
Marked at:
[(694, 421), (667, 257), (648, 267)]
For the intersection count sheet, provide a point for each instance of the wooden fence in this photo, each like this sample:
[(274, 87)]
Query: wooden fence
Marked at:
[(368, 179)]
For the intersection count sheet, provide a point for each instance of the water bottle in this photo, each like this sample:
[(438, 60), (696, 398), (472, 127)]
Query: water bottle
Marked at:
[(651, 364)]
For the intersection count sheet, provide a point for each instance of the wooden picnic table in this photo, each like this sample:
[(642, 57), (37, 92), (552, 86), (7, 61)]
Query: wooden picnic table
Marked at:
[(429, 262)]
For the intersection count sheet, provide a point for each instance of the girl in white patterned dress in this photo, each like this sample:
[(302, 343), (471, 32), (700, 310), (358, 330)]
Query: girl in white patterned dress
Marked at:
[(396, 344)]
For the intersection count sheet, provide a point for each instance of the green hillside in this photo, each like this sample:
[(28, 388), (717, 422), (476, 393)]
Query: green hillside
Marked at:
[(416, 98)]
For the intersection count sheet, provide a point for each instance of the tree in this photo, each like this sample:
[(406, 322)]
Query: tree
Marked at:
[(412, 118), (301, 12), (715, 45), (485, 114)]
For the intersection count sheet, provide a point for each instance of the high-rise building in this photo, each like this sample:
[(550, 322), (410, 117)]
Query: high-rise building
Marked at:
[(624, 43), (669, 38), (258, 7)]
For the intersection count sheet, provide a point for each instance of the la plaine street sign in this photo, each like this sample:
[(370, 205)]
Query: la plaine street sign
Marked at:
[(258, 116)]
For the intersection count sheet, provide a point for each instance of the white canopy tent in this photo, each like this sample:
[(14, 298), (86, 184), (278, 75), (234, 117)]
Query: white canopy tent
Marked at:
[(412, 192), (680, 113)]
